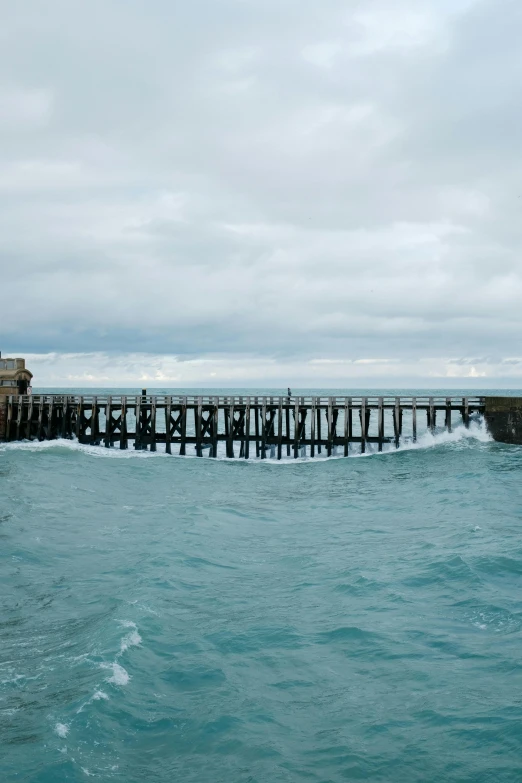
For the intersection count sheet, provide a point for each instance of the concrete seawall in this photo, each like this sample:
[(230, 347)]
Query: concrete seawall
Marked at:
[(504, 418)]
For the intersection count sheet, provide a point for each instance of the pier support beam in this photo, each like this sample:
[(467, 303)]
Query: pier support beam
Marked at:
[(504, 418)]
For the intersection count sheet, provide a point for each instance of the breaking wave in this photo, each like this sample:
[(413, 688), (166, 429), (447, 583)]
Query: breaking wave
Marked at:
[(476, 432)]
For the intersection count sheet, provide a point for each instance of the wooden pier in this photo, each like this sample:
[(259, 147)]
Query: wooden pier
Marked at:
[(245, 427)]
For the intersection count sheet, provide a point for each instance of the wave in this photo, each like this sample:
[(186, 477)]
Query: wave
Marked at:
[(132, 639), (120, 676), (476, 432), (62, 729)]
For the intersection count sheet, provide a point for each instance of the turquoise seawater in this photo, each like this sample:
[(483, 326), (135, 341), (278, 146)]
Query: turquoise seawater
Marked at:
[(168, 619)]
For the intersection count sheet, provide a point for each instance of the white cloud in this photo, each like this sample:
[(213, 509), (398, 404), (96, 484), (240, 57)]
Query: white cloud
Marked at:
[(155, 371), (291, 186), (322, 54), (23, 109)]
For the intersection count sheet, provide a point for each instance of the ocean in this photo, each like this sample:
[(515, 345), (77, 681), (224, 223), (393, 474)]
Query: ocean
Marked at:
[(216, 621)]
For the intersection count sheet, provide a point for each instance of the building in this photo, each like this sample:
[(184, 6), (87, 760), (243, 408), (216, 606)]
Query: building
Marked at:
[(14, 378)]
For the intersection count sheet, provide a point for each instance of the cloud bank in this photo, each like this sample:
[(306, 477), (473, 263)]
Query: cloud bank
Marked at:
[(240, 190)]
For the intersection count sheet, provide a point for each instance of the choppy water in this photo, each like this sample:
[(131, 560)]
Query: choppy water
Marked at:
[(168, 619)]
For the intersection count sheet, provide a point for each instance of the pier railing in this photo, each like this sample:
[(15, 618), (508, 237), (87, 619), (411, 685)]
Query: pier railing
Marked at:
[(244, 426)]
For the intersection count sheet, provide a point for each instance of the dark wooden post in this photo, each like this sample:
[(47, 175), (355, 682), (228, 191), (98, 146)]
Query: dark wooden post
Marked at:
[(247, 428), (345, 433), (123, 424), (364, 424), (263, 429), (230, 438), (287, 423), (137, 413), (40, 418), (329, 424), (197, 426), (28, 429), (50, 420), (168, 425), (302, 426), (414, 418), (465, 412), (397, 421), (280, 429), (9, 417), (65, 409), (448, 414), (431, 416), (108, 423), (256, 425), (380, 422), (153, 423), (313, 415), (215, 427), (296, 428), (319, 446), (19, 417), (183, 436)]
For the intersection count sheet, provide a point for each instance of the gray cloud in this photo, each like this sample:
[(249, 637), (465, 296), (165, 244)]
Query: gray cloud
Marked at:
[(289, 180)]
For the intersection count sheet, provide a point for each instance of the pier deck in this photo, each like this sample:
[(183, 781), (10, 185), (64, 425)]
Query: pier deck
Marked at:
[(235, 426)]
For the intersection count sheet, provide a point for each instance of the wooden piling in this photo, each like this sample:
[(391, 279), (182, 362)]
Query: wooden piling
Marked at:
[(329, 424), (263, 429), (313, 416), (215, 428), (296, 428), (197, 426), (29, 423), (280, 430), (108, 423), (123, 424), (230, 439), (465, 412), (364, 425), (256, 426), (397, 421), (380, 423), (152, 429), (135, 419), (346, 443), (183, 435)]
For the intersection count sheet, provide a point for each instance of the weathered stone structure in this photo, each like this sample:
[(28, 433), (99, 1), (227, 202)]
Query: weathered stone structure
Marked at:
[(504, 418), (14, 379)]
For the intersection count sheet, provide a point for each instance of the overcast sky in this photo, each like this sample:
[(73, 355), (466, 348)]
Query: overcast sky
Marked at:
[(237, 191)]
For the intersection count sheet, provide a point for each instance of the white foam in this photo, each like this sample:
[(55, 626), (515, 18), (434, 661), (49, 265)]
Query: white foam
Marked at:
[(120, 676), (97, 696), (132, 639), (74, 445), (477, 431), (428, 440), (61, 729)]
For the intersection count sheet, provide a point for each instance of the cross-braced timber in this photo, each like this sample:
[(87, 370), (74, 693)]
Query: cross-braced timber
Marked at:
[(267, 427)]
